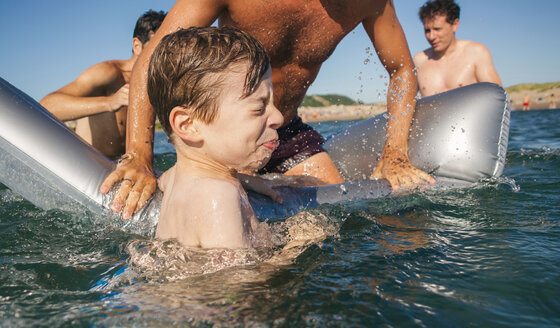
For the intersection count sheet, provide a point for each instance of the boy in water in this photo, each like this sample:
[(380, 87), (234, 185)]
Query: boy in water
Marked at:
[(211, 89)]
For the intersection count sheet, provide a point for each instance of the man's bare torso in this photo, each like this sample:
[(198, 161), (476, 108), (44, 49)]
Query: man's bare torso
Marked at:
[(299, 35), (446, 73), (106, 132)]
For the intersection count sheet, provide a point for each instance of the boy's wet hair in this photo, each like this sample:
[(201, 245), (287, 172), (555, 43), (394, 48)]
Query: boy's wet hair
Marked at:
[(148, 23), (448, 8), (186, 65)]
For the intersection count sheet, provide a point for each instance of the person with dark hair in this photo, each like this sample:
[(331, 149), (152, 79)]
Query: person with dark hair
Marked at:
[(98, 98), (211, 89), (449, 63), (298, 36)]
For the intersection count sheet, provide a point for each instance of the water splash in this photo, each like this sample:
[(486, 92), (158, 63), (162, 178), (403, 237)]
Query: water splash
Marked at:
[(152, 260), (499, 182)]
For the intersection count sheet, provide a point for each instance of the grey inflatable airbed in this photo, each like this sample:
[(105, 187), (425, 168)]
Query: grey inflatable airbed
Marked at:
[(459, 137)]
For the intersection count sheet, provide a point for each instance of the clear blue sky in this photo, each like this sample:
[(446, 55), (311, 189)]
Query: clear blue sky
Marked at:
[(46, 44)]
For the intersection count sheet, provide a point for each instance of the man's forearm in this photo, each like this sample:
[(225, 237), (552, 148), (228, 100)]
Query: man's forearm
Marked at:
[(66, 107), (140, 134), (401, 103), (140, 120)]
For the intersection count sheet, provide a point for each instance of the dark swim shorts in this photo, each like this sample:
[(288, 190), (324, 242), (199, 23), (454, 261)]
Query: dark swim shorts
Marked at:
[(298, 141)]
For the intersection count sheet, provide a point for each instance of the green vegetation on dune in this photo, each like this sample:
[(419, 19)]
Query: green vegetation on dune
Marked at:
[(338, 99), (309, 101), (539, 87), (326, 100)]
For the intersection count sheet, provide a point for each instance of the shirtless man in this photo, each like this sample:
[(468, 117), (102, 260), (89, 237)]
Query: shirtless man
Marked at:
[(98, 98), (449, 63), (299, 35)]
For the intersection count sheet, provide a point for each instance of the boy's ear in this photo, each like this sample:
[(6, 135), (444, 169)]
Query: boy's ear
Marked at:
[(183, 124)]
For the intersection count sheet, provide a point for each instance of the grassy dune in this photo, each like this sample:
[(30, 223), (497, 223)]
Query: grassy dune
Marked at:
[(331, 107), (539, 94), (327, 100)]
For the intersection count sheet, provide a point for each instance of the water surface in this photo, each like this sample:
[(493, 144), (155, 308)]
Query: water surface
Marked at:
[(483, 256)]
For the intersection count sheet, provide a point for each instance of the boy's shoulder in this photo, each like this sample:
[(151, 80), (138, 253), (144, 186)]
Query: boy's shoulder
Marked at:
[(209, 184), (211, 208), (209, 193), (217, 213)]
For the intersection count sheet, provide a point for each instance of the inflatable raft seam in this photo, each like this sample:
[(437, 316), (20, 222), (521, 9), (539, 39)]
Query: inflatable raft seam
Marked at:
[(503, 138)]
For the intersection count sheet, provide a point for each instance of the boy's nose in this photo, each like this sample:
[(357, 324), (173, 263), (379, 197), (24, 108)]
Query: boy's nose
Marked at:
[(275, 118)]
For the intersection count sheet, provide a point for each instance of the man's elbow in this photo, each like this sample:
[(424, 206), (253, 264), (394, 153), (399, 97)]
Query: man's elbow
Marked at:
[(45, 102), (48, 104)]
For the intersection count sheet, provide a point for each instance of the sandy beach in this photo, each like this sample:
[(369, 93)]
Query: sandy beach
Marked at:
[(340, 112), (538, 98)]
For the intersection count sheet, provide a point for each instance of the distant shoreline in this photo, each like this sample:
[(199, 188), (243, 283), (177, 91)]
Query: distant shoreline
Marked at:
[(340, 112), (539, 94)]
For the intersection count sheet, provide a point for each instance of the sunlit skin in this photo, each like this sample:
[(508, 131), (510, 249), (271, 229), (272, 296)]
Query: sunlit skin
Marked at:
[(204, 204), (98, 100), (299, 35), (450, 63)]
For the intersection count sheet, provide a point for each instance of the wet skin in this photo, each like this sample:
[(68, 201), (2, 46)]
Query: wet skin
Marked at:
[(298, 36)]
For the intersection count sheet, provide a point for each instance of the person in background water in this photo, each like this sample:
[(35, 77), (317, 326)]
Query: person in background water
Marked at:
[(298, 36), (449, 63), (552, 101), (98, 98), (526, 102)]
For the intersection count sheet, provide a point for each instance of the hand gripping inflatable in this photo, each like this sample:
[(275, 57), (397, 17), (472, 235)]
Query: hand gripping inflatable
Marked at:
[(459, 136)]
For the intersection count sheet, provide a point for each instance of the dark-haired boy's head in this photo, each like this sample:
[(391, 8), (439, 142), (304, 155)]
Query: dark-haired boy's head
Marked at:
[(447, 8), (187, 68), (147, 25)]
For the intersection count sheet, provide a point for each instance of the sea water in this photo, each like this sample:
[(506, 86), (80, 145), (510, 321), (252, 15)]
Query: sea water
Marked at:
[(486, 256)]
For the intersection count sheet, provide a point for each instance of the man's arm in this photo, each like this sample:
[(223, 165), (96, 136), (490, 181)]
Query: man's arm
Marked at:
[(83, 96), (484, 65), (137, 163), (390, 43)]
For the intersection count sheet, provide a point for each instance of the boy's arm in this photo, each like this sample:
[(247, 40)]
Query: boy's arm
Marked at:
[(140, 128), (81, 97)]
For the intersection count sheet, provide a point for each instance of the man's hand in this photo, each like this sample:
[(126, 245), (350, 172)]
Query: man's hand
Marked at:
[(259, 185), (400, 173), (119, 98), (138, 185)]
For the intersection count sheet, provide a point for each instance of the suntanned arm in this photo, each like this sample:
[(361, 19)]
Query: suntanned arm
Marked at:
[(83, 96), (484, 69), (137, 165), (390, 43)]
